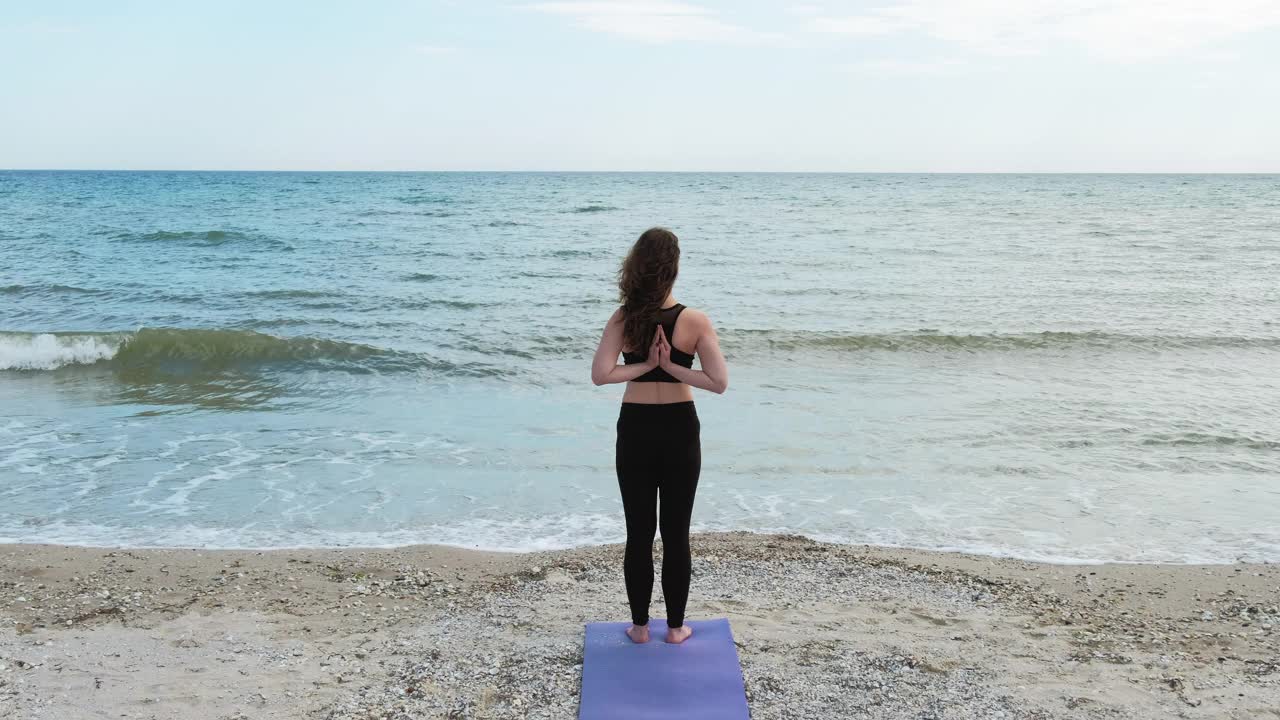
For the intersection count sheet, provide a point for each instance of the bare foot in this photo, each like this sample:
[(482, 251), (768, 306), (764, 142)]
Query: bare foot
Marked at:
[(675, 636), (638, 633)]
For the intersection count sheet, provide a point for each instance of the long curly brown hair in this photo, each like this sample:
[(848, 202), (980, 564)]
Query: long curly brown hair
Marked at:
[(644, 281)]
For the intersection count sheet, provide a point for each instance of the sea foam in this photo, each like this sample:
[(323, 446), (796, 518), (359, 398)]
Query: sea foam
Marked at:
[(46, 351)]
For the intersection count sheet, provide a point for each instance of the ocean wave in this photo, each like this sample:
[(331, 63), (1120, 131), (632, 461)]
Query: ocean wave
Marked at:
[(935, 342), (192, 351), (421, 277), (552, 275), (201, 238), (24, 351), (586, 529), (592, 209), (1211, 440), (512, 535), (287, 294), (211, 237), (47, 289), (214, 350), (426, 304), (424, 199)]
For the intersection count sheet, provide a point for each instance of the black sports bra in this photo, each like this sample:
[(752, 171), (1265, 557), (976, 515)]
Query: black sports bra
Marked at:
[(666, 318)]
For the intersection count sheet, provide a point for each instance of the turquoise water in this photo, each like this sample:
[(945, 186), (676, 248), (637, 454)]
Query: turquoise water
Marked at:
[(1052, 367)]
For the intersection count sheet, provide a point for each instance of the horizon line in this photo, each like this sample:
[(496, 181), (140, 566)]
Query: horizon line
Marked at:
[(662, 172)]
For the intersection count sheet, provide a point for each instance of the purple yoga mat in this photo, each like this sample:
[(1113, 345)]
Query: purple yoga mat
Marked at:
[(698, 680)]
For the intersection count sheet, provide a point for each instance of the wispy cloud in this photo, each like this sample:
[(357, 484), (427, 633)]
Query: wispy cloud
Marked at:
[(656, 21), (433, 49), (932, 68), (1124, 30), (43, 27), (806, 9)]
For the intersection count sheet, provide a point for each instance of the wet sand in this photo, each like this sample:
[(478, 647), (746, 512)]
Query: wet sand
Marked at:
[(824, 631)]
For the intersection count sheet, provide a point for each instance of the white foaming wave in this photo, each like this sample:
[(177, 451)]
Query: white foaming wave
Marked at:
[(584, 530), (516, 535), (1258, 550), (47, 351)]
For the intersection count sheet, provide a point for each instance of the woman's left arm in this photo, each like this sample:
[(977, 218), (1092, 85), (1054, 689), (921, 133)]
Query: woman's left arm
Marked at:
[(714, 375), (605, 368)]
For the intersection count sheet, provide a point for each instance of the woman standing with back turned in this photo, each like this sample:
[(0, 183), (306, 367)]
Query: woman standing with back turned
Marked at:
[(658, 450)]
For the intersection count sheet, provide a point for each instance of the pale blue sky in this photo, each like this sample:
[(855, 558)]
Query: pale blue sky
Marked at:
[(885, 85)]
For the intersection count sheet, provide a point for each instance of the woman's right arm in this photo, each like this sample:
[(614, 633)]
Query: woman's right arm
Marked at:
[(605, 368)]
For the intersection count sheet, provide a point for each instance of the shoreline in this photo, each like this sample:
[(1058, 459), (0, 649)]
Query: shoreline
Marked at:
[(823, 630), (977, 553)]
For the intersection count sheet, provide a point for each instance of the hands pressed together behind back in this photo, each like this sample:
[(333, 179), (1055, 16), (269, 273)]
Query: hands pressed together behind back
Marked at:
[(660, 350)]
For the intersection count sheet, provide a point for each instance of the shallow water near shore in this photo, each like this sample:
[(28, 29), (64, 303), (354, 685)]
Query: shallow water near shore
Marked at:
[(1080, 368)]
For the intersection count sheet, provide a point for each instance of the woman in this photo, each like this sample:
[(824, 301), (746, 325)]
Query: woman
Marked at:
[(658, 451)]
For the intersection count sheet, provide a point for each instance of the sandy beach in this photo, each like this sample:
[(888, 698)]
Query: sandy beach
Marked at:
[(433, 632)]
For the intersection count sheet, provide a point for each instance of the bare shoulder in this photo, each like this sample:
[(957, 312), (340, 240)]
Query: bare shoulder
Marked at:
[(615, 318), (696, 319)]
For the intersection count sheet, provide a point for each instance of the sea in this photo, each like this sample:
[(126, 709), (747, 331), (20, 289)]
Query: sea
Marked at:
[(1066, 368)]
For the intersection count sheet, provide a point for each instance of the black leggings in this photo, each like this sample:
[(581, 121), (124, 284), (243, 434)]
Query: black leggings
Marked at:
[(658, 452)]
